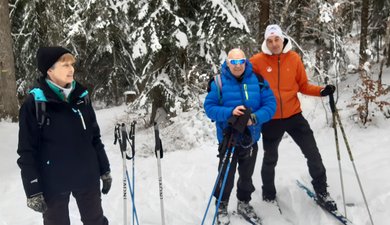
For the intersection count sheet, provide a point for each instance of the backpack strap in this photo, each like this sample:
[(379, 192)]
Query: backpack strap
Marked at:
[(40, 105), (262, 84), (218, 82)]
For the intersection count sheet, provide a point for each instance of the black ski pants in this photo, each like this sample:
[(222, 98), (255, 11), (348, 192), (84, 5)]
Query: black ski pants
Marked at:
[(88, 202), (246, 160), (299, 130)]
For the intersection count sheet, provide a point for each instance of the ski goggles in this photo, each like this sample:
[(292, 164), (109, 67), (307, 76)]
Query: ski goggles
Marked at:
[(236, 61)]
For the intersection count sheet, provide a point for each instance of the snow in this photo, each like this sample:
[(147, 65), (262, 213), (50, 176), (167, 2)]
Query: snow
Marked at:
[(190, 162), (139, 48), (181, 38), (233, 16), (326, 12)]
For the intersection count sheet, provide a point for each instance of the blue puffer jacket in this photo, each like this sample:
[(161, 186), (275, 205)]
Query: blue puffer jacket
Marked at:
[(235, 93)]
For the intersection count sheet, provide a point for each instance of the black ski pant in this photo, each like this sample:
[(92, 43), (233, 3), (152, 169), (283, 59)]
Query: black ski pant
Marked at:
[(88, 202), (299, 130), (246, 160)]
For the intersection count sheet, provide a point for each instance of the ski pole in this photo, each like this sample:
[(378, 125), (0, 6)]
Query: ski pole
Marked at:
[(132, 190), (334, 125), (223, 185), (132, 193), (120, 133), (132, 144), (350, 156), (224, 146), (159, 155)]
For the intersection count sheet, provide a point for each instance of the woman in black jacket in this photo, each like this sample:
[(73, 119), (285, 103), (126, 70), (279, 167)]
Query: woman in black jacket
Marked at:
[(60, 149)]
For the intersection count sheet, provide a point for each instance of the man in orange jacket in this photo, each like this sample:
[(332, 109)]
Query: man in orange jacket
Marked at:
[(284, 71)]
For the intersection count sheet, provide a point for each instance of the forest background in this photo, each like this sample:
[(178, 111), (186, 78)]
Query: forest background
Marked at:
[(161, 53)]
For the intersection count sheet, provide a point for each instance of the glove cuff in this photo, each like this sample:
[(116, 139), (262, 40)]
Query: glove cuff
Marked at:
[(106, 176)]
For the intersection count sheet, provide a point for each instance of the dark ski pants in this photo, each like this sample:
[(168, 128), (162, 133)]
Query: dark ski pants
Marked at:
[(246, 160), (88, 202), (299, 130)]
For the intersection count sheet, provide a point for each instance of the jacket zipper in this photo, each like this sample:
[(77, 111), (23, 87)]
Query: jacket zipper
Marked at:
[(246, 92), (280, 96), (81, 117)]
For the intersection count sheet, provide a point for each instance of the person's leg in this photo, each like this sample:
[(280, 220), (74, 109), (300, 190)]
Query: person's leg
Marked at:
[(57, 210), (90, 206), (300, 131), (272, 135), (246, 166)]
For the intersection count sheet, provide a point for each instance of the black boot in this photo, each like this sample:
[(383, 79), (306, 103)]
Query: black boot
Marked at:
[(247, 212), (223, 216), (324, 199)]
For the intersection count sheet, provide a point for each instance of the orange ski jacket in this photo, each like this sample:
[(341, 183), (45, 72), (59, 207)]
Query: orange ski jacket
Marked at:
[(287, 76)]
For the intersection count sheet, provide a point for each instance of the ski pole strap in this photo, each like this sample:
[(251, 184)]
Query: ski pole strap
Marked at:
[(123, 139), (132, 138), (158, 149), (116, 135)]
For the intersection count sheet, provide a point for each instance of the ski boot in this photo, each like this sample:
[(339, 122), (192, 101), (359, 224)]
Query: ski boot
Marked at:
[(324, 199), (248, 213), (223, 216)]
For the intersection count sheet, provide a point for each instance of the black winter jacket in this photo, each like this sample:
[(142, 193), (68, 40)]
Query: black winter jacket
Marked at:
[(61, 156)]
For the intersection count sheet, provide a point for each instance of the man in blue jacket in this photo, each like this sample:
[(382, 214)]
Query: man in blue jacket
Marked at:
[(238, 89), (60, 149)]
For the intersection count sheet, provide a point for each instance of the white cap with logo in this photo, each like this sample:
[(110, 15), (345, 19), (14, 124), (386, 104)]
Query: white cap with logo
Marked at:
[(273, 30)]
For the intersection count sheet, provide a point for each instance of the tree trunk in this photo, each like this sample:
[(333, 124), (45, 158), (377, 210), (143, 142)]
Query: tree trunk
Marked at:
[(264, 7), (8, 99), (388, 55), (387, 43), (363, 32)]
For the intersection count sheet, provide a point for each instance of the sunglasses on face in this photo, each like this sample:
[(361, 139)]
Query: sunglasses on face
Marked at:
[(236, 61)]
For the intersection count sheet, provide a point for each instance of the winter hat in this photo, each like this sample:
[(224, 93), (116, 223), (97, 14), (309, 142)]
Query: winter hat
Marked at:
[(48, 56), (273, 30)]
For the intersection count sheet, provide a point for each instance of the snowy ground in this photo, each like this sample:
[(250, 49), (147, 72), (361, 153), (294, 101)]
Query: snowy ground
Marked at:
[(189, 170)]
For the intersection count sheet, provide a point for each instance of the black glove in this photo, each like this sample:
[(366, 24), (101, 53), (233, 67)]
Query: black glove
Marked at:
[(107, 180), (239, 123), (37, 203), (328, 90)]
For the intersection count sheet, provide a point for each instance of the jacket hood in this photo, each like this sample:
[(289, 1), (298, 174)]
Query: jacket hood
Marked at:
[(287, 46)]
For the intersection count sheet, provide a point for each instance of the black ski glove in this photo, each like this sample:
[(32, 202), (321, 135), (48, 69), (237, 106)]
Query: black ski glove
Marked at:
[(107, 180), (328, 90), (37, 203)]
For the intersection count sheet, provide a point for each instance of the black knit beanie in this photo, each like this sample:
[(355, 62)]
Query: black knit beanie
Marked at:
[(47, 56)]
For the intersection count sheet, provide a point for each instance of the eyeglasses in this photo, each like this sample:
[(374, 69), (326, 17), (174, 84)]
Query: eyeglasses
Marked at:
[(236, 61)]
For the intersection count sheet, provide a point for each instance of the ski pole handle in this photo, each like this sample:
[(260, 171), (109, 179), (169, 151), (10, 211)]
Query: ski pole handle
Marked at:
[(331, 99), (331, 103), (132, 138), (158, 149)]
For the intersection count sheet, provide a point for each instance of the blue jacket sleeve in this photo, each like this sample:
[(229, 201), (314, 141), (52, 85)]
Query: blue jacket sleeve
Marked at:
[(214, 110), (268, 107)]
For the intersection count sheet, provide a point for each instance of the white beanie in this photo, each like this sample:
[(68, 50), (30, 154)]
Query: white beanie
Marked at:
[(273, 30)]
